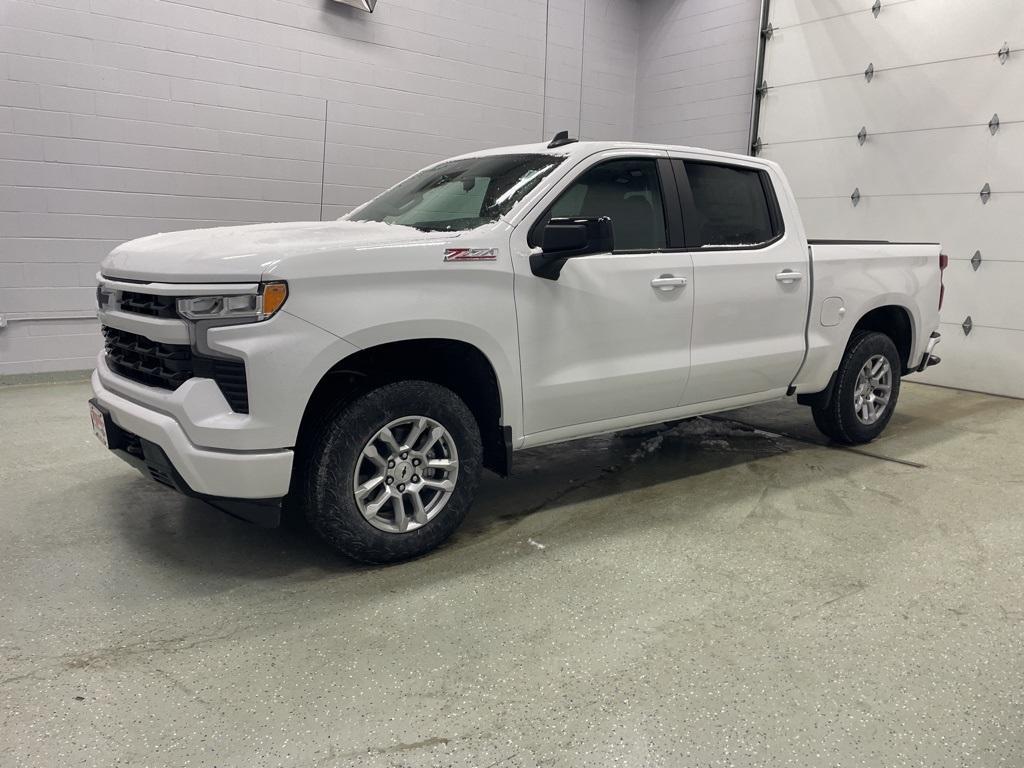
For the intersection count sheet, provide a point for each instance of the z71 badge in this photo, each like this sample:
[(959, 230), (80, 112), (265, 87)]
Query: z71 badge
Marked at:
[(470, 254)]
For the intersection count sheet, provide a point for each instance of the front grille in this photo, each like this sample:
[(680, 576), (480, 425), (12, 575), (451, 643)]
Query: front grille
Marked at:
[(147, 362), (168, 366), (148, 304)]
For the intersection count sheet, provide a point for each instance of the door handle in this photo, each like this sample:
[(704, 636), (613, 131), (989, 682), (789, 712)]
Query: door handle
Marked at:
[(668, 282), (788, 276)]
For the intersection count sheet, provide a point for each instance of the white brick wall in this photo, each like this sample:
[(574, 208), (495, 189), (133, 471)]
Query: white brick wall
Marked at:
[(610, 57), (589, 89), (696, 72), (120, 118)]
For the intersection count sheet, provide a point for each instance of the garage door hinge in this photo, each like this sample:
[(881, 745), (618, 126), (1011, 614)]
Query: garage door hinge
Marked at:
[(876, 8), (862, 134), (967, 325), (976, 260), (762, 89), (993, 124), (768, 31), (1004, 53), (855, 197), (986, 193), (869, 72), (755, 148)]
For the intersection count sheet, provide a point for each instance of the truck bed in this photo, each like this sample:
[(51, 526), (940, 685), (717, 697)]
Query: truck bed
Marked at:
[(853, 277)]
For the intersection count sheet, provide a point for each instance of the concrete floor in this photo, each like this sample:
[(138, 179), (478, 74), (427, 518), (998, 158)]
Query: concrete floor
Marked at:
[(706, 595)]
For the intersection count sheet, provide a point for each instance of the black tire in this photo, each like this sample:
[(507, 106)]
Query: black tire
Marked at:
[(837, 418), (326, 487)]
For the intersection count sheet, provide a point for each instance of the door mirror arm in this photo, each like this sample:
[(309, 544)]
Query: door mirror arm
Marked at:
[(566, 238)]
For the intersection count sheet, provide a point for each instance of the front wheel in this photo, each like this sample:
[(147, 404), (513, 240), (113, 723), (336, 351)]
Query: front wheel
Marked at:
[(392, 474), (866, 389)]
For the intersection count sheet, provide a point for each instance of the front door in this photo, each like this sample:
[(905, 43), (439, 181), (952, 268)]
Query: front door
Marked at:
[(610, 337), (751, 282)]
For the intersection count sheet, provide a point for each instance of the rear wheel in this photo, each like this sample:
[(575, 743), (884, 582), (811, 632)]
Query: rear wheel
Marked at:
[(866, 389), (392, 474)]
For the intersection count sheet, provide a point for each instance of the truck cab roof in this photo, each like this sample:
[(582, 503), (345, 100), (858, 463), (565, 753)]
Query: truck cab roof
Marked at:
[(581, 149)]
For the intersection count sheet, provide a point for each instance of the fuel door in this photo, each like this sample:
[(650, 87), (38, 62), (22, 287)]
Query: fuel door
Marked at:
[(832, 311)]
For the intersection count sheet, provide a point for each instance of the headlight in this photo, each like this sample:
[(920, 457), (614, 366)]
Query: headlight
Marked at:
[(252, 307)]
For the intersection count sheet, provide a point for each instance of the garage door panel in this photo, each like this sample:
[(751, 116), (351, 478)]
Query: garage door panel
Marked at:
[(788, 13), (991, 295), (988, 360), (921, 162), (961, 223), (840, 107), (929, 151), (905, 34)]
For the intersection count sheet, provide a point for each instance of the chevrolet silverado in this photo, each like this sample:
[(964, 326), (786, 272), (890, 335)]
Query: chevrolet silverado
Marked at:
[(364, 371)]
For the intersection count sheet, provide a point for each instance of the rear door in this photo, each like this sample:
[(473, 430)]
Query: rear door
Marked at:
[(751, 281)]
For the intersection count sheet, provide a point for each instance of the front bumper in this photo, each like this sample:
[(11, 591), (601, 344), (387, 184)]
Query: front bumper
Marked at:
[(203, 472), (150, 459)]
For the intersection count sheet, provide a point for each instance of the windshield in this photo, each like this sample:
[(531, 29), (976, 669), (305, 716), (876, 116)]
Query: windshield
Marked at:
[(459, 194)]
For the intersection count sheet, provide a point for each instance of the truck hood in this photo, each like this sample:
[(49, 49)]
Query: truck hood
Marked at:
[(246, 253)]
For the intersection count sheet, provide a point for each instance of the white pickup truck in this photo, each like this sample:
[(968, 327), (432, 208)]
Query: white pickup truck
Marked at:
[(364, 371)]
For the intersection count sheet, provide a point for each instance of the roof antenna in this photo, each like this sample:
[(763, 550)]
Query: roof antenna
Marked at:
[(561, 139)]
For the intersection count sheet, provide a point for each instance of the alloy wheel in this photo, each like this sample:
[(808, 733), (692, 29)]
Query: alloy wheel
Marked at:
[(873, 389), (405, 474)]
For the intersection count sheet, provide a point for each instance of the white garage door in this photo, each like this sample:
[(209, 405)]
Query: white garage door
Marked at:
[(923, 79)]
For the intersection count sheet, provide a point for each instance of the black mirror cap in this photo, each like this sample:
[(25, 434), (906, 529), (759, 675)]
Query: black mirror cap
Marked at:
[(562, 235), (566, 238), (578, 236)]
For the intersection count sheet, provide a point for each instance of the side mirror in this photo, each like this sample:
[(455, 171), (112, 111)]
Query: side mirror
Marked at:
[(563, 239)]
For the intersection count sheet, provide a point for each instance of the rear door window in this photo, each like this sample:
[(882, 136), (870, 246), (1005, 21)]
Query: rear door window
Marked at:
[(733, 206)]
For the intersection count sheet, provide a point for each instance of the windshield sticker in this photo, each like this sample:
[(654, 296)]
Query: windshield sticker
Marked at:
[(470, 254)]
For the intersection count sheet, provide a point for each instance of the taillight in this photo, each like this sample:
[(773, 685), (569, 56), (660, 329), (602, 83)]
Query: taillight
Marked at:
[(943, 263)]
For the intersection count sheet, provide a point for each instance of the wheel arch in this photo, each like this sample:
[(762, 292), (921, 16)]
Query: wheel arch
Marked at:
[(894, 320), (450, 362)]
